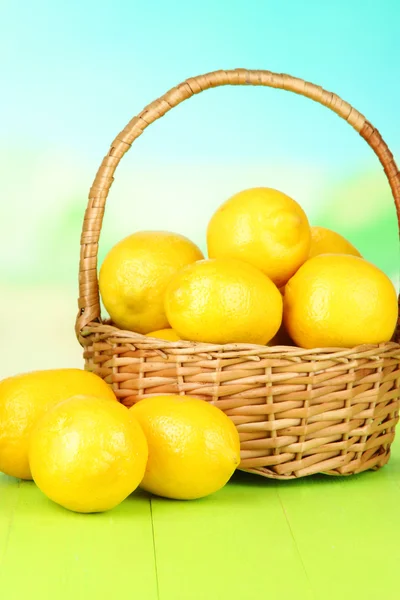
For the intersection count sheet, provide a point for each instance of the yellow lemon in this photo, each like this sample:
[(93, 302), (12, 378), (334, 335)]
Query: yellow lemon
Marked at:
[(339, 300), (326, 241), (135, 273), (193, 446), (24, 398), (263, 227), (88, 454), (165, 334), (223, 301)]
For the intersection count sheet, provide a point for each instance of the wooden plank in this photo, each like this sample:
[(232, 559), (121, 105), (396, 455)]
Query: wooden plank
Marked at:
[(49, 552), (235, 544), (347, 531)]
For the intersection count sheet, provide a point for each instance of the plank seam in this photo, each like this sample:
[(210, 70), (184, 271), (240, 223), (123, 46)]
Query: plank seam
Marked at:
[(10, 526), (154, 549), (296, 546)]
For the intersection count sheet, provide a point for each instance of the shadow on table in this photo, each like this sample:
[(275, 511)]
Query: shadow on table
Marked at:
[(251, 480)]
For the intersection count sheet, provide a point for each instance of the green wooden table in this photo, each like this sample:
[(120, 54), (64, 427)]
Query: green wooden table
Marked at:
[(320, 537)]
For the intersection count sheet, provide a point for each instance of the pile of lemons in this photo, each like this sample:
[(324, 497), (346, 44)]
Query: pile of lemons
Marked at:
[(270, 278), (87, 452)]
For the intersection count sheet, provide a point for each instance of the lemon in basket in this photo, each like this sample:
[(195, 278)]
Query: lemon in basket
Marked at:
[(194, 447), (263, 227), (88, 454), (326, 241), (135, 273), (338, 300), (165, 334), (223, 301), (24, 398)]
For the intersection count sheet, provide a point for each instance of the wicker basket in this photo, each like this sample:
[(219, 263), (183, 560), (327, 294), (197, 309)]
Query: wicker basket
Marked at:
[(298, 412)]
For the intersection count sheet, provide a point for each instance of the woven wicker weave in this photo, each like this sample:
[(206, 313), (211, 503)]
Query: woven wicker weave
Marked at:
[(298, 411)]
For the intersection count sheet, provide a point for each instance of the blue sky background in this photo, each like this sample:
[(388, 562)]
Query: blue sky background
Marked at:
[(74, 73)]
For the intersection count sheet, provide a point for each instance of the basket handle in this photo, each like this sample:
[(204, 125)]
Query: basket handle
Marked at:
[(89, 300)]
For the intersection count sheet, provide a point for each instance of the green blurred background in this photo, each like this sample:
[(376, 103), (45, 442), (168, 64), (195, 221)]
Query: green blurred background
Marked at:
[(74, 74)]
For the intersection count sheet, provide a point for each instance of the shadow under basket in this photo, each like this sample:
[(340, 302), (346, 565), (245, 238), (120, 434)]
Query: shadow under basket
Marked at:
[(298, 412)]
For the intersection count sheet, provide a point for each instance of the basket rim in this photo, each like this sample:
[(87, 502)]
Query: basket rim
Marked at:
[(108, 331)]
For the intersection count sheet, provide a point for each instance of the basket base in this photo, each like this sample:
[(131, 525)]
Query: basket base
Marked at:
[(352, 467)]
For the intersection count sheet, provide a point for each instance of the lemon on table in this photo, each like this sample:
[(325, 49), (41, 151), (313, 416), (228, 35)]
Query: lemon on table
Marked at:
[(223, 301), (88, 454), (263, 227), (326, 241), (165, 334), (24, 398), (338, 300), (193, 446), (135, 273)]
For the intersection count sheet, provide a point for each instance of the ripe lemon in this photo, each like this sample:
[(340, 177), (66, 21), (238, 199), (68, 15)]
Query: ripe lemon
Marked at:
[(135, 273), (24, 398), (339, 300), (193, 446), (223, 301), (263, 227), (326, 241), (165, 334), (88, 454)]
